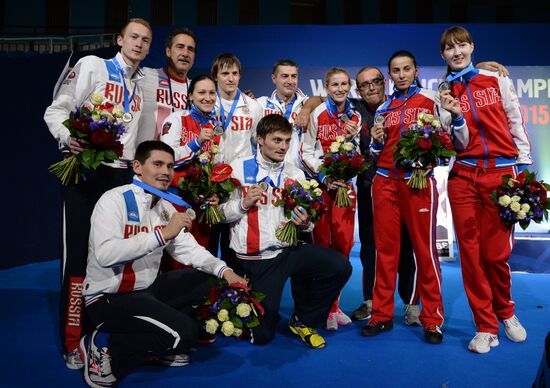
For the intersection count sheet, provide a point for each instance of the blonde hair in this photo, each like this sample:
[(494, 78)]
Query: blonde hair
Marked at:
[(336, 70), (141, 21)]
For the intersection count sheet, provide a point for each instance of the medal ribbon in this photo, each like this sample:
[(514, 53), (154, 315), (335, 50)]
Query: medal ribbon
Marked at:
[(453, 76), (127, 98), (162, 194), (227, 120)]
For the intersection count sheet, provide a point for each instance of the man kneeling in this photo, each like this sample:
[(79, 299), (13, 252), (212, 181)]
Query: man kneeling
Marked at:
[(137, 314), (317, 274)]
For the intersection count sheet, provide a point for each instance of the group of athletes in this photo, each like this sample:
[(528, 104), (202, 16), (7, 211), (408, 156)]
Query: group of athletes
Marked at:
[(129, 242)]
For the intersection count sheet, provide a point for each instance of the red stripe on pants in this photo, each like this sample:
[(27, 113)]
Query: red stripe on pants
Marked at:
[(253, 233), (394, 202), (484, 243), (75, 307)]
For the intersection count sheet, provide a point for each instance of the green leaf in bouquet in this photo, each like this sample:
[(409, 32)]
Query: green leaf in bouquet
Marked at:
[(226, 304), (524, 224), (110, 156), (259, 296), (98, 158), (236, 321), (254, 322), (227, 185), (88, 158), (212, 282)]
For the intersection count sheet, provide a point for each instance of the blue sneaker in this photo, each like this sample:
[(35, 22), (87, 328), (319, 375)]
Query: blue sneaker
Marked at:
[(97, 363)]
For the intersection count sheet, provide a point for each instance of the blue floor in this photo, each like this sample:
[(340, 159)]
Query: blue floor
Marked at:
[(30, 349)]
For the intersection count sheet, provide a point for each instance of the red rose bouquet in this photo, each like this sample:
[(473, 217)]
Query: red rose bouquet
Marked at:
[(423, 143), (343, 162), (304, 193), (204, 178), (230, 309), (522, 199), (98, 128)]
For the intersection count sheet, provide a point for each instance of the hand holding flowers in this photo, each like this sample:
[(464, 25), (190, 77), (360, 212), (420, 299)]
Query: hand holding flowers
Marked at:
[(522, 199), (421, 146), (94, 138), (206, 179), (341, 163), (303, 203)]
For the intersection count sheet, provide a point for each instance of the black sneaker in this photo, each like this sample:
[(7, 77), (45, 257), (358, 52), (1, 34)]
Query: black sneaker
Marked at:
[(433, 334), (308, 335), (363, 312), (376, 327)]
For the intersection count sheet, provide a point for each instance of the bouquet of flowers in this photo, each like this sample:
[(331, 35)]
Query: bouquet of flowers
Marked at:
[(343, 162), (304, 193), (98, 128), (521, 199), (231, 308), (423, 143), (203, 178)]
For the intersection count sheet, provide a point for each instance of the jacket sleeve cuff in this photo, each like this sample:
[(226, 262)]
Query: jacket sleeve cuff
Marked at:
[(194, 145)]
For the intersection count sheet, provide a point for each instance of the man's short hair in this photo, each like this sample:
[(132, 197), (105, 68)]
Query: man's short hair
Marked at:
[(225, 60), (272, 123), (178, 31), (369, 68), (283, 62), (141, 21), (145, 148)]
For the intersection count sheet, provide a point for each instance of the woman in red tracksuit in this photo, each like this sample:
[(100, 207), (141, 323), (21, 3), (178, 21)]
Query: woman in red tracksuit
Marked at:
[(486, 104), (336, 117), (189, 132), (394, 202)]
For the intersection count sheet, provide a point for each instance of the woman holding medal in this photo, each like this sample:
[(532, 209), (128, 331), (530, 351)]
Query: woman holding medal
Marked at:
[(191, 131), (395, 203), (336, 117), (486, 106)]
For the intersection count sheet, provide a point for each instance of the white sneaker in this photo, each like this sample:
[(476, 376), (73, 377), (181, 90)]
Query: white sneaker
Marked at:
[(332, 324), (483, 342), (73, 359), (342, 318), (514, 330), (412, 315)]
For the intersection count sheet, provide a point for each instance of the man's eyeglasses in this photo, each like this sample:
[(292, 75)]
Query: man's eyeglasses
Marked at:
[(374, 83)]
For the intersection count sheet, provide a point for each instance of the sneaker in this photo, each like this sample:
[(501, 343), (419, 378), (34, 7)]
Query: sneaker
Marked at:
[(97, 363), (308, 335), (173, 360), (412, 315), (433, 334), (332, 323), (514, 330), (73, 359), (483, 342), (363, 312), (342, 318), (376, 327)]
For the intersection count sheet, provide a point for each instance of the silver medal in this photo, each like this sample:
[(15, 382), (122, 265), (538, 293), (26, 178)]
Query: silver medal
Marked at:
[(191, 213), (127, 117), (264, 185), (444, 86), (379, 119), (218, 130)]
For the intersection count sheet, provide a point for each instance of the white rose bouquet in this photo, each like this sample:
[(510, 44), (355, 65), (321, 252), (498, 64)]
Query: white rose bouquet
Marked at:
[(230, 309), (521, 199)]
